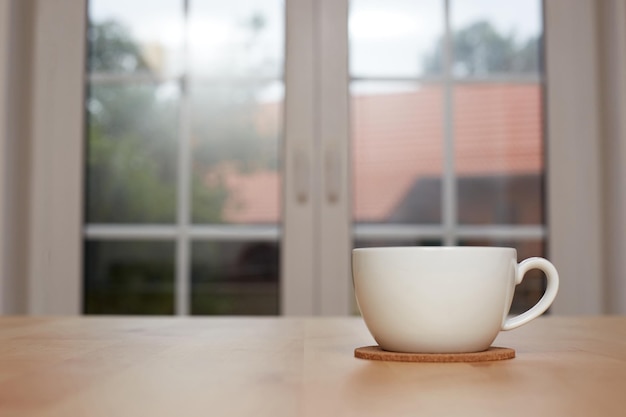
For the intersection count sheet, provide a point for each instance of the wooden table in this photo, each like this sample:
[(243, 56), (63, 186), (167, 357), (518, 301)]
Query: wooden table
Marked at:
[(297, 367)]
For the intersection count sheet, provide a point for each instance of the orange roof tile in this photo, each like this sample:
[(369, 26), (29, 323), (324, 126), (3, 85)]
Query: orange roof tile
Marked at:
[(397, 138)]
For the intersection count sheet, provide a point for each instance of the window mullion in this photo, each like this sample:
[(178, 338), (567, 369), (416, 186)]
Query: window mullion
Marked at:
[(449, 180), (183, 195)]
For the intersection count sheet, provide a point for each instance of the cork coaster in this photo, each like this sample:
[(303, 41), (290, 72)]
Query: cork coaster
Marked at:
[(377, 354)]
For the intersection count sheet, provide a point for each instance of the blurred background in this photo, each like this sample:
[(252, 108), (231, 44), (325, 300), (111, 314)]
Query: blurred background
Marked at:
[(197, 157)]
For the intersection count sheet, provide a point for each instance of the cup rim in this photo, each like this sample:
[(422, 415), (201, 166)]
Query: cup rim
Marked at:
[(434, 248)]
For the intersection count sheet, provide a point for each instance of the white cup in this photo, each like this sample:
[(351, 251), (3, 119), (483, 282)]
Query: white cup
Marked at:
[(443, 299)]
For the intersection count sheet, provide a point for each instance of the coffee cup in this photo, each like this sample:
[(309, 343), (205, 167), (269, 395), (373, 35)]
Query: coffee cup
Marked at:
[(443, 299)]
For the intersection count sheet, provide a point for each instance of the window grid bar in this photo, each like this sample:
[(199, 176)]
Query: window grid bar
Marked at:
[(258, 233), (108, 78), (530, 232), (112, 232), (499, 232), (449, 198), (263, 233), (236, 233), (125, 78), (492, 79), (183, 246), (396, 231)]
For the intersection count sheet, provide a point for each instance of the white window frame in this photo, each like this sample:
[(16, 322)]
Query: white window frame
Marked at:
[(450, 231), (575, 159), (5, 34), (575, 130), (612, 14), (183, 232), (54, 270)]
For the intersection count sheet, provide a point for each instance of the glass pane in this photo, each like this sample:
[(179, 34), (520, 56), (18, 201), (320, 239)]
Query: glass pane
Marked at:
[(499, 153), (531, 289), (235, 135), (496, 37), (397, 145), (235, 278), (236, 38), (138, 36), (131, 163), (395, 38), (129, 277), (383, 243)]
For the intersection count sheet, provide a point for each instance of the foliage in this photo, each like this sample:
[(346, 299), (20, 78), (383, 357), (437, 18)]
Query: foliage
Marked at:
[(131, 170), (129, 277), (132, 156), (111, 49), (479, 49), (133, 136)]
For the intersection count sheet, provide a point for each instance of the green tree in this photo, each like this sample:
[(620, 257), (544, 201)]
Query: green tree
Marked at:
[(111, 49), (132, 160), (132, 141), (131, 166), (479, 49)]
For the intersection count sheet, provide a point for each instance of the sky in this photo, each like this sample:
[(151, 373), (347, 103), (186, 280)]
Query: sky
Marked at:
[(387, 37)]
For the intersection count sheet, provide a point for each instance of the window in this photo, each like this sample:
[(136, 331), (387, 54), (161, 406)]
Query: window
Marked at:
[(183, 185), (53, 190), (189, 170), (447, 126)]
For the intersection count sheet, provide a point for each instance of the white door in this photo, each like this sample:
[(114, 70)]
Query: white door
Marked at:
[(439, 107), (209, 189), (237, 152), (447, 135), (445, 146), (411, 123), (185, 134)]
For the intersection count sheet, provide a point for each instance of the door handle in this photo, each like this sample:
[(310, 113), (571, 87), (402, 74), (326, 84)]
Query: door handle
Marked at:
[(332, 168), (301, 176)]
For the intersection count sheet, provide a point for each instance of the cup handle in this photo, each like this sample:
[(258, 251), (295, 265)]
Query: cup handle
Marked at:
[(548, 297)]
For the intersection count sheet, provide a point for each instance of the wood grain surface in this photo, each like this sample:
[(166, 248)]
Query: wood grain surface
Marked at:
[(297, 367)]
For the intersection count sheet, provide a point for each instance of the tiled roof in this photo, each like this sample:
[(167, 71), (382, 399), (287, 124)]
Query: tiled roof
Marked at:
[(398, 138)]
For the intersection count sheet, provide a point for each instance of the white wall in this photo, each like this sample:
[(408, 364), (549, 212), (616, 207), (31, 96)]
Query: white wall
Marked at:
[(15, 51), (612, 37), (4, 85), (56, 198), (586, 112), (576, 244), (41, 136)]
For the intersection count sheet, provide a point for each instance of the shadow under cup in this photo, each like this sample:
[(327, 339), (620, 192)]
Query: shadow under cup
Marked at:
[(441, 299)]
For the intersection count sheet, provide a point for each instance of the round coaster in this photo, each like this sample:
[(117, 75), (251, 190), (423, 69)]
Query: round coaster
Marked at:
[(377, 354)]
